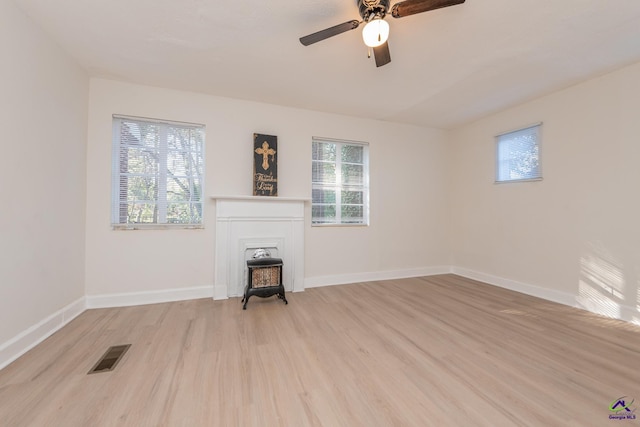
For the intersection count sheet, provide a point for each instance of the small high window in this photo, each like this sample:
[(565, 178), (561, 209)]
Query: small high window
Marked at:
[(518, 155)]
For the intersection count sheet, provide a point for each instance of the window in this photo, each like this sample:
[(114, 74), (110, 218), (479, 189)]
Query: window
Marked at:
[(340, 182), (157, 172), (518, 155)]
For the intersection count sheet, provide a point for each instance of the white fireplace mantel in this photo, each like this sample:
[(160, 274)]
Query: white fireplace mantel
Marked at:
[(269, 199), (245, 223)]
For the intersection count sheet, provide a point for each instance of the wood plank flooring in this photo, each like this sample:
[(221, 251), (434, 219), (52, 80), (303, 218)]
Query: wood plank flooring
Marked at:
[(432, 351)]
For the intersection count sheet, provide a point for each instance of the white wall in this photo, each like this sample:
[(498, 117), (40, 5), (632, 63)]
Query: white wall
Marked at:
[(575, 236), (408, 227), (408, 196), (42, 221)]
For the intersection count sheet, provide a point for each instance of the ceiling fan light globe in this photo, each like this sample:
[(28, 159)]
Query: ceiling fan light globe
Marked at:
[(376, 32)]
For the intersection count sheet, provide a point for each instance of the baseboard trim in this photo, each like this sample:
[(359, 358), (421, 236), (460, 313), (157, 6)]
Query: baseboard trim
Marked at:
[(605, 308), (525, 288), (343, 279), (26, 340), (148, 297), (626, 313)]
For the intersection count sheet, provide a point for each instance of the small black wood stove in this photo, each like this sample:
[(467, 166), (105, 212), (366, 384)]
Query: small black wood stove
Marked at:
[(264, 279)]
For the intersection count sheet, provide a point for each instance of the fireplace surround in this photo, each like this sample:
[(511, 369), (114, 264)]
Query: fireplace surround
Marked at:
[(246, 223)]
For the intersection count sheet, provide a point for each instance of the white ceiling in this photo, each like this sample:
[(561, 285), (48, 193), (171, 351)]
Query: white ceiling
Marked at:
[(449, 66)]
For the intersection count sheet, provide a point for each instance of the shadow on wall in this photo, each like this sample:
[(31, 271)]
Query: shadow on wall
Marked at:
[(603, 287)]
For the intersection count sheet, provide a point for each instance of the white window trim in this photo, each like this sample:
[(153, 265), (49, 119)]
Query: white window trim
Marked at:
[(115, 176), (366, 212), (497, 160)]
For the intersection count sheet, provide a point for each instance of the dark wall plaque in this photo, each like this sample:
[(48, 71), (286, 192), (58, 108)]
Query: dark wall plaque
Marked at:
[(265, 165)]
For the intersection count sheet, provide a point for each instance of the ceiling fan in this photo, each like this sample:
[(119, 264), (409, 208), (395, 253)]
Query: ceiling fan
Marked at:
[(376, 30)]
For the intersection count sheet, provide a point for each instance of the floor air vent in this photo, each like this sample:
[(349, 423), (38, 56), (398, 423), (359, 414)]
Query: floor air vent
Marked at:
[(110, 359)]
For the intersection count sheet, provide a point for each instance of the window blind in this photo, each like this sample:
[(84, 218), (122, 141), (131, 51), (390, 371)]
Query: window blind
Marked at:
[(518, 155), (339, 182), (158, 171)]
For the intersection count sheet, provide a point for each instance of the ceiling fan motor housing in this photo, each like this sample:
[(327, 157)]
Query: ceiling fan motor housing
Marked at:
[(370, 8), (376, 30)]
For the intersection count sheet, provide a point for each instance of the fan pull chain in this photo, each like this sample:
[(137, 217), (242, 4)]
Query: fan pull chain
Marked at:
[(368, 52)]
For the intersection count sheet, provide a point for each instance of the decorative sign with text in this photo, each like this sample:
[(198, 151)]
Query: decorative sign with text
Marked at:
[(265, 165)]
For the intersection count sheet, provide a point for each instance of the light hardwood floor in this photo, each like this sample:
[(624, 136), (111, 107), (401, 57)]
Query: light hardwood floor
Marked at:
[(432, 351)]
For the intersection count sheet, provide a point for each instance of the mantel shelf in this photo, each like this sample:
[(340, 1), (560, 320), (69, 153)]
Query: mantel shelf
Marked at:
[(263, 198)]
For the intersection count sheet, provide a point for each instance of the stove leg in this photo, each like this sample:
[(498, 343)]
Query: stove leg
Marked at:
[(245, 298), (281, 296)]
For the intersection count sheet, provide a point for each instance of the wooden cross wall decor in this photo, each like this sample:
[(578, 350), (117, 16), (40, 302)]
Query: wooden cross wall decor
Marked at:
[(265, 165)]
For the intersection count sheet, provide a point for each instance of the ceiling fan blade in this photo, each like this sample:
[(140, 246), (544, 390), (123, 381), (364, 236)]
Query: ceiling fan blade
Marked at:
[(329, 32), (382, 54), (411, 7)]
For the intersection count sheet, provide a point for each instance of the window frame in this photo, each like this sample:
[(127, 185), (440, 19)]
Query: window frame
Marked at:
[(502, 138), (161, 174), (340, 187)]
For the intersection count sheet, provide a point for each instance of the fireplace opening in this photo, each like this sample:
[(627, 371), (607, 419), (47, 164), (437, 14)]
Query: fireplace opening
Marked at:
[(264, 278)]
